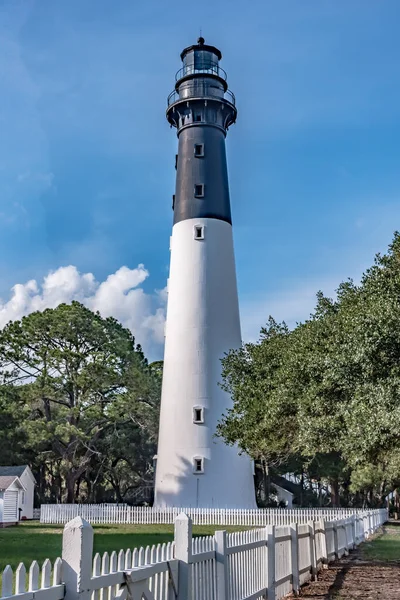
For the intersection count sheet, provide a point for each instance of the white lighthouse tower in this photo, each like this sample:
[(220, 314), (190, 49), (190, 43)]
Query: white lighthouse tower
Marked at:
[(195, 469)]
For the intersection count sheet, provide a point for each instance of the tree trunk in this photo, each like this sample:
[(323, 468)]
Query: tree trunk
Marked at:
[(70, 485), (267, 482), (334, 483), (382, 495), (301, 488), (319, 492), (89, 490), (117, 490), (78, 489)]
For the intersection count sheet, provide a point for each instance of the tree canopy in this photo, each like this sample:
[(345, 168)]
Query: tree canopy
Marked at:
[(82, 402), (327, 392)]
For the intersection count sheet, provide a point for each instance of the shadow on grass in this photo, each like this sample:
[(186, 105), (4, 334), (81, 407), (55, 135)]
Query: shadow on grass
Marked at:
[(34, 525)]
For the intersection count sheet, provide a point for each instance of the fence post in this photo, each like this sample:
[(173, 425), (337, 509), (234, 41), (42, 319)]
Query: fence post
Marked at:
[(77, 552), (270, 534), (313, 550), (294, 547), (221, 565), (346, 537), (335, 539), (324, 547), (353, 531), (183, 552)]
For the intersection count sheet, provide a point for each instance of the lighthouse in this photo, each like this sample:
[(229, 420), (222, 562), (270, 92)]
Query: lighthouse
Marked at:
[(194, 468)]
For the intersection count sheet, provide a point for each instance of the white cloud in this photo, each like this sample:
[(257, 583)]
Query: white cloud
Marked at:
[(120, 296)]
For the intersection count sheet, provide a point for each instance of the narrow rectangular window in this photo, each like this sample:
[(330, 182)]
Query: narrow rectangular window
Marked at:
[(198, 414), (198, 118), (173, 201), (199, 150), (199, 190), (198, 464), (198, 232), (176, 161)]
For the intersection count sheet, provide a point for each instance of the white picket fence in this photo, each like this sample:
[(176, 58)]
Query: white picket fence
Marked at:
[(261, 563), (115, 513), (39, 584)]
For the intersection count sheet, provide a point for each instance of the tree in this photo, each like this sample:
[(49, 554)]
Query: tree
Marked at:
[(12, 438), (80, 379), (263, 415), (329, 389)]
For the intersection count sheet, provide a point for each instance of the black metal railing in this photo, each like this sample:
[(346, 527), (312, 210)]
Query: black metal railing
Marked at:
[(202, 91), (205, 69)]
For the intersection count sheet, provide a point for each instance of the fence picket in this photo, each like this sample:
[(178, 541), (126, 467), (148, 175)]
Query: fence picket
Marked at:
[(46, 573), (128, 559), (105, 569), (113, 569), (96, 573), (7, 582), (57, 572), (34, 576), (20, 579)]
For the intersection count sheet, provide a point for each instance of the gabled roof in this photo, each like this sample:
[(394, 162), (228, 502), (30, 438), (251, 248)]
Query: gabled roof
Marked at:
[(279, 487), (16, 471), (6, 481)]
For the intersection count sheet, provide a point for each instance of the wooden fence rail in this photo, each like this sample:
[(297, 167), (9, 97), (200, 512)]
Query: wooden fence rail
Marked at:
[(265, 563)]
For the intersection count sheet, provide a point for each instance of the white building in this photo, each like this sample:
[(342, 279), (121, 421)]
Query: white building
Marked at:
[(17, 487), (283, 495)]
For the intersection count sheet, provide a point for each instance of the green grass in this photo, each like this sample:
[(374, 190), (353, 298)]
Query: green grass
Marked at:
[(34, 541), (385, 547)]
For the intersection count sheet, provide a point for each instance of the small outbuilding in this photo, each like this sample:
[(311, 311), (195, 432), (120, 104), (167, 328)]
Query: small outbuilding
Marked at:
[(283, 495), (10, 489), (17, 488)]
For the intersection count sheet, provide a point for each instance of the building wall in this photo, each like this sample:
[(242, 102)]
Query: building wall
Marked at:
[(202, 324), (1, 506), (10, 504), (28, 483), (284, 495)]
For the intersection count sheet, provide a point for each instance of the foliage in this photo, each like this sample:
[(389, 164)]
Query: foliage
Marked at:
[(85, 400), (327, 391)]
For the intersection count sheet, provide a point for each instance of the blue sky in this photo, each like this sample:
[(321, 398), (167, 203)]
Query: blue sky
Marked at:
[(87, 157)]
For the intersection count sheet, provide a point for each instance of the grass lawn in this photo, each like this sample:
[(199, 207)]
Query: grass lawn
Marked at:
[(33, 541), (386, 546)]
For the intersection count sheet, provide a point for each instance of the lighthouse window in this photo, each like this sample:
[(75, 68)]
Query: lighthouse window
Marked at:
[(198, 416), (198, 232), (199, 150), (198, 464), (173, 201), (199, 190), (198, 118)]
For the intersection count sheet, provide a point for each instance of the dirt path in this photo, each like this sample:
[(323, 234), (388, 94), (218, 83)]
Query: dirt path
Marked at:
[(358, 576)]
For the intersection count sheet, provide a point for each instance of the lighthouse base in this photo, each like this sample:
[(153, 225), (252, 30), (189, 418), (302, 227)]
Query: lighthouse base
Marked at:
[(194, 468)]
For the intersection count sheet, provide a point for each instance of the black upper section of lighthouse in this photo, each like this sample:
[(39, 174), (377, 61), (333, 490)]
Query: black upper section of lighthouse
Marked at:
[(201, 108)]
